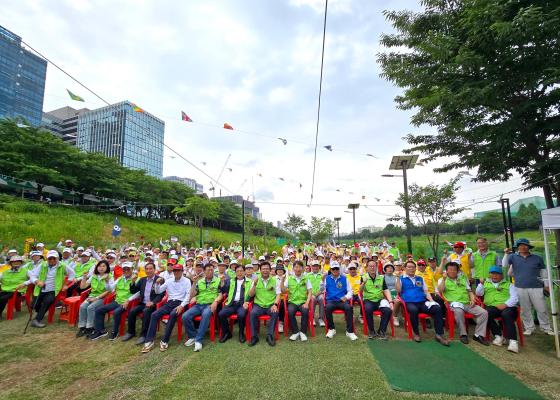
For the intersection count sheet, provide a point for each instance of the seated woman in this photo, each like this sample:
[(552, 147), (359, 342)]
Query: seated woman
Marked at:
[(414, 292), (101, 283)]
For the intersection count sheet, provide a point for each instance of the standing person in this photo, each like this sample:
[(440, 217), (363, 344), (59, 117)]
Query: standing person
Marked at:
[(462, 257), (299, 291), (81, 270), (456, 289), (376, 296), (237, 303), (15, 279), (531, 282), (483, 259), (178, 290), (414, 292), (500, 299), (48, 279), (338, 293), (206, 294), (315, 278), (266, 292), (121, 287), (144, 289), (100, 282)]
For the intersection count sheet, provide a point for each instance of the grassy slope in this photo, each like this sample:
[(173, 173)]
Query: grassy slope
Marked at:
[(59, 366)]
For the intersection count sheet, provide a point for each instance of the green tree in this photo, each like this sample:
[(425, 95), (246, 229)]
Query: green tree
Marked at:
[(432, 206), (321, 228), (294, 223), (485, 75)]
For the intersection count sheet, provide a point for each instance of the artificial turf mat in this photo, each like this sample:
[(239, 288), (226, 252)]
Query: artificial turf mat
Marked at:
[(429, 367)]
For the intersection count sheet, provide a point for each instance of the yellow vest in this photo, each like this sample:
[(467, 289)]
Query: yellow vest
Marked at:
[(430, 277), (464, 261), (354, 283)]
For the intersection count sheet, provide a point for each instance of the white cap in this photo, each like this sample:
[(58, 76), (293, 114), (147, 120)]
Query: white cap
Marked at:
[(12, 251), (261, 258), (112, 254), (80, 248), (315, 262), (40, 244), (16, 258), (67, 250), (86, 253), (126, 264), (174, 257), (319, 254), (334, 264), (35, 253), (52, 253), (68, 241)]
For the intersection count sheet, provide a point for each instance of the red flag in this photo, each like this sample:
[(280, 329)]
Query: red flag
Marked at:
[(185, 117), (228, 126)]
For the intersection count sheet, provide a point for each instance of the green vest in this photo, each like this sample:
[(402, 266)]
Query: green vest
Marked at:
[(11, 279), (457, 290), (97, 286), (315, 280), (122, 289), (373, 288), (207, 294), (81, 269), (231, 273), (494, 296), (231, 292), (58, 279), (395, 252), (265, 296), (297, 291), (482, 265)]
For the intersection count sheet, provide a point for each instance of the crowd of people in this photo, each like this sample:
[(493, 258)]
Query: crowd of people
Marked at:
[(209, 288)]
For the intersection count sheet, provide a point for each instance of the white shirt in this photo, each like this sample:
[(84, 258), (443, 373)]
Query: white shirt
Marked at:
[(176, 290), (510, 302), (240, 283)]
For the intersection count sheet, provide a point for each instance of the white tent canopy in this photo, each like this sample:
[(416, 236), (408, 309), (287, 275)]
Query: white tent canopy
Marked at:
[(551, 221)]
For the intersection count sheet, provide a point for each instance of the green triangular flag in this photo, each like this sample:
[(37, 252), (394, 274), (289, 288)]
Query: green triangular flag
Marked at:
[(74, 96)]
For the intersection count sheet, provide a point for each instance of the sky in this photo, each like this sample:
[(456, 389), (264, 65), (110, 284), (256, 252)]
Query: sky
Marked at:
[(254, 64)]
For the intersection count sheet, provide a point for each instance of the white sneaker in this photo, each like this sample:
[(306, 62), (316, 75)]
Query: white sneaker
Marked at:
[(321, 322), (527, 332), (352, 336), (280, 327), (163, 346), (549, 332), (513, 346), (331, 333), (498, 341), (361, 320), (396, 322), (189, 342), (197, 346), (294, 337), (314, 323), (302, 337)]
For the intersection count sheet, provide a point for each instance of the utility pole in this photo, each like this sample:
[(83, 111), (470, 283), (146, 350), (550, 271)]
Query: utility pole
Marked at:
[(243, 229), (337, 219), (353, 207)]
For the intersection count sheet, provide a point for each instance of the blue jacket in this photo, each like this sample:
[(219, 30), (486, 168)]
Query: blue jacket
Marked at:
[(412, 293), (336, 290)]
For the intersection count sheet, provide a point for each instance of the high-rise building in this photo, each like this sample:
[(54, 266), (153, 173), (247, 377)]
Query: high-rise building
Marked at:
[(250, 207), (63, 122), (22, 80), (194, 185), (135, 138)]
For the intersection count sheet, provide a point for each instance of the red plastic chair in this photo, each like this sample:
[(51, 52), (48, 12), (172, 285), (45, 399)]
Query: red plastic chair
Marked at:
[(59, 298), (232, 318), (212, 327), (311, 327), (14, 303), (166, 318), (408, 326), (450, 318), (264, 319), (499, 319), (71, 307), (335, 312), (124, 315), (377, 314)]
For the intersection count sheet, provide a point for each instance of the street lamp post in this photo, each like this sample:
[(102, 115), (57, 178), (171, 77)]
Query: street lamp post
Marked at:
[(353, 207), (243, 229), (404, 163), (337, 219)]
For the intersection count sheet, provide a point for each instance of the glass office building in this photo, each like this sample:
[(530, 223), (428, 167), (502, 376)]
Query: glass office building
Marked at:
[(22, 80), (134, 138)]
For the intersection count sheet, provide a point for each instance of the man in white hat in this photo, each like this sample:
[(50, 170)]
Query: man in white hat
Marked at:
[(14, 279), (48, 279)]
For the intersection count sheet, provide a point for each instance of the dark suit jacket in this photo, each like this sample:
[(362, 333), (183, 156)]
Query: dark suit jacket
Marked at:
[(140, 286)]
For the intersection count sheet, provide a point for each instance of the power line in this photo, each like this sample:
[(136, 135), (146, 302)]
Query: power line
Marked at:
[(319, 102)]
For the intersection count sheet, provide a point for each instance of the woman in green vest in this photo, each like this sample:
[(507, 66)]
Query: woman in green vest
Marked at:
[(376, 297), (299, 291), (13, 280), (100, 283), (500, 299), (237, 303)]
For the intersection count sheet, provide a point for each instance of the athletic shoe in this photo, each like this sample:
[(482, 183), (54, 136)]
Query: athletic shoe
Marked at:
[(498, 340), (396, 322), (280, 327), (189, 342), (197, 346), (127, 336), (113, 336), (481, 340), (98, 334), (549, 332), (321, 322), (148, 346), (81, 332), (330, 334), (464, 339), (527, 332), (371, 337), (417, 338), (37, 324), (513, 346), (294, 337), (352, 336), (163, 346), (302, 337), (381, 336), (141, 340)]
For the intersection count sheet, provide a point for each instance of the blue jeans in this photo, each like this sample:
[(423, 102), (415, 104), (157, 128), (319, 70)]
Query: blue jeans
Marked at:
[(188, 321), (99, 322), (256, 312)]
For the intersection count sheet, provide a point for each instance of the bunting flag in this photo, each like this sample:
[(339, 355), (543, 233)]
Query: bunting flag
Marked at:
[(136, 108), (282, 179), (74, 97), (185, 117), (228, 126), (116, 227), (203, 163), (230, 170), (329, 147), (283, 140), (300, 185)]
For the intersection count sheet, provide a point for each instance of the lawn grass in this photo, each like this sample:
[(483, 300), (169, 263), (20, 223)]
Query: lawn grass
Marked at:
[(53, 364)]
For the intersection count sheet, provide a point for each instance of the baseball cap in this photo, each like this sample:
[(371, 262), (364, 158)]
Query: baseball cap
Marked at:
[(52, 253), (496, 270)]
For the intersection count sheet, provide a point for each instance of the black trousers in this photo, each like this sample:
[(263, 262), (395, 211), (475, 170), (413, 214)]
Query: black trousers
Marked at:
[(133, 314), (435, 311), (4, 298), (42, 304), (292, 309), (236, 307), (509, 316), (348, 314), (369, 308), (74, 288)]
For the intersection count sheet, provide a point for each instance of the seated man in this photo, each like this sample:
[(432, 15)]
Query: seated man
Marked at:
[(500, 298), (455, 288), (414, 292), (299, 291), (266, 292), (206, 294), (376, 297), (178, 290), (338, 293), (13, 280), (237, 303)]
